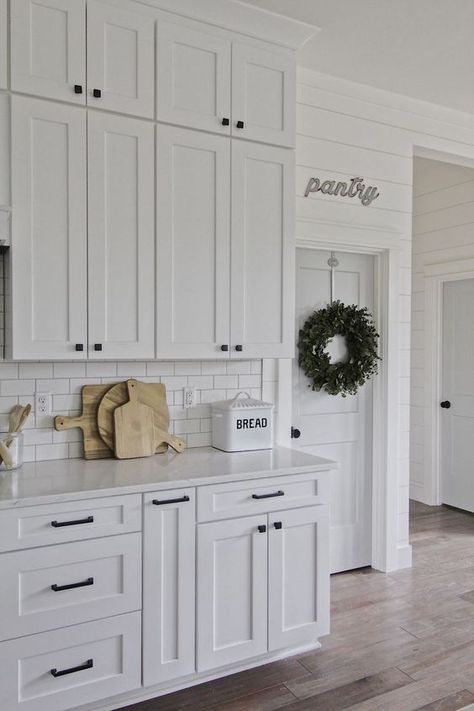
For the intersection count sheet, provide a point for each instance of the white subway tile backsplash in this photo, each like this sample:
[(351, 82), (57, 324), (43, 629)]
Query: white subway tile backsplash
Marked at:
[(213, 380)]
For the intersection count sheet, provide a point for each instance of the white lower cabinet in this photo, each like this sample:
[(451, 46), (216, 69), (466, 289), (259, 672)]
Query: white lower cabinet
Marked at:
[(168, 586), (59, 670)]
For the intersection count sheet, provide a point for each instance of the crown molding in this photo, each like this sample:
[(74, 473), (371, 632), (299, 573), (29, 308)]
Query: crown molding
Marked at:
[(238, 16)]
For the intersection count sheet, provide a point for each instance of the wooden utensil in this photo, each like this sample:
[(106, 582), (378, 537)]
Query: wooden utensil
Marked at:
[(134, 427), (175, 442), (151, 394), (16, 420), (94, 446)]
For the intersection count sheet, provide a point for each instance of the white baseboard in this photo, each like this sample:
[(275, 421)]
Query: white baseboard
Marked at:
[(405, 556)]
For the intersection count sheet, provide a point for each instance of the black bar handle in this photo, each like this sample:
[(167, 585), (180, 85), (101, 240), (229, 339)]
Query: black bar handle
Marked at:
[(268, 496), (83, 584), (87, 665), (182, 500), (77, 522)]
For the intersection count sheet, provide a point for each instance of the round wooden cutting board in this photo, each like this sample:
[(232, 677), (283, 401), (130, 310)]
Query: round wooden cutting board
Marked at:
[(151, 394)]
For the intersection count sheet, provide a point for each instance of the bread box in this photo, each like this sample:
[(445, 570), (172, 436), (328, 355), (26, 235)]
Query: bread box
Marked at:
[(242, 423)]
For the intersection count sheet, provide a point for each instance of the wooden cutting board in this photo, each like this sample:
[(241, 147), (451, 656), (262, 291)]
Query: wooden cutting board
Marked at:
[(94, 445), (151, 394), (134, 427)]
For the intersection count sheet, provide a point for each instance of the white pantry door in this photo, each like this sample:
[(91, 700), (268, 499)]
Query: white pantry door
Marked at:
[(457, 405), (332, 426)]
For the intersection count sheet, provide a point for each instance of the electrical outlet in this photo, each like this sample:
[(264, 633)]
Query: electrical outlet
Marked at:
[(42, 403), (188, 396)]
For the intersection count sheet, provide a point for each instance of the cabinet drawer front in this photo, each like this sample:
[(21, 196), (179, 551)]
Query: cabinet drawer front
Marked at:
[(42, 525), (242, 498), (91, 661), (68, 584)]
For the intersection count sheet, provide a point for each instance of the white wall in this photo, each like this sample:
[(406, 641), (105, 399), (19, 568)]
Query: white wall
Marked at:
[(345, 130), (443, 231)]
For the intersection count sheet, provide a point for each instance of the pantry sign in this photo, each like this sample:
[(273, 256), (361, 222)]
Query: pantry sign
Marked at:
[(354, 187)]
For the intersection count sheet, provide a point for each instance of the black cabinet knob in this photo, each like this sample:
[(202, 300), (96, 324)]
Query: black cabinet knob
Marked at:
[(295, 433), (77, 88), (445, 404), (79, 346), (239, 348), (224, 347), (262, 529), (97, 346), (97, 93), (225, 121), (240, 124), (278, 525)]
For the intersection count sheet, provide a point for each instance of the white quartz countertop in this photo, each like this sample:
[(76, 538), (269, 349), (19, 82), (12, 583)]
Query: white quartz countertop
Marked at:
[(68, 479)]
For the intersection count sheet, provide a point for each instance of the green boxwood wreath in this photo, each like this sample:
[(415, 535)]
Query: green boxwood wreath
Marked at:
[(357, 326)]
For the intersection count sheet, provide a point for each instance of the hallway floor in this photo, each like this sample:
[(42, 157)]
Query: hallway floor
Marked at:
[(399, 642)]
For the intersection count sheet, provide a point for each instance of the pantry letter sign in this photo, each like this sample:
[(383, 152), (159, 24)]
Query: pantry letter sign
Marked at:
[(355, 187)]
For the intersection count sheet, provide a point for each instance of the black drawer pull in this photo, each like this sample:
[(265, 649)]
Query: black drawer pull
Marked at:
[(83, 584), (182, 500), (88, 665), (268, 496), (77, 522)]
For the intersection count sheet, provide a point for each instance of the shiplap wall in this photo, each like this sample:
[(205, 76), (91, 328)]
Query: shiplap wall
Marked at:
[(443, 231), (346, 130)]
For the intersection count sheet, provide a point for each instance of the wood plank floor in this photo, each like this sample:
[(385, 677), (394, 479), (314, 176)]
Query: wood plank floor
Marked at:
[(399, 642)]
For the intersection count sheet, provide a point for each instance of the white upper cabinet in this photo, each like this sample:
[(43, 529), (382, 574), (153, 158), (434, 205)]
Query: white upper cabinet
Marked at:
[(3, 44), (263, 95), (49, 246), (48, 46), (193, 244), (121, 237), (193, 78), (120, 60), (262, 277)]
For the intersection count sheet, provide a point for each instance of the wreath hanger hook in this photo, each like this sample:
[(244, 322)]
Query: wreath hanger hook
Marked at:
[(333, 262)]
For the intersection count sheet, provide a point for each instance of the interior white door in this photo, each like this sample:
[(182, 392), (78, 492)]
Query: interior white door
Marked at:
[(193, 78), (120, 60), (169, 597), (193, 243), (262, 278), (48, 48), (121, 237), (332, 426), (263, 94), (298, 576), (49, 239), (232, 569), (457, 420)]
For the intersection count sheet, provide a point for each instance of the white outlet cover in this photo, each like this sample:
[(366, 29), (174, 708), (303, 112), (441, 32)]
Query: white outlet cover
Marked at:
[(42, 403)]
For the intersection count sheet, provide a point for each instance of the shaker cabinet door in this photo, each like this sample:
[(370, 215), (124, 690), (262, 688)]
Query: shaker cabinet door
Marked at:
[(168, 586), (193, 78), (120, 60), (262, 251), (49, 243), (232, 591), (121, 237), (193, 243), (263, 95), (298, 576), (48, 48)]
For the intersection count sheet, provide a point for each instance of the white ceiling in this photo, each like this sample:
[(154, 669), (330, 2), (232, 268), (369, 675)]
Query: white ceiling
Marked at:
[(421, 48)]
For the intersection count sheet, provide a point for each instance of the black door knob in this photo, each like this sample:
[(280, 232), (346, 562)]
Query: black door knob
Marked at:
[(79, 346), (97, 93), (445, 404), (97, 346), (225, 121), (240, 124), (224, 347), (295, 433), (77, 89)]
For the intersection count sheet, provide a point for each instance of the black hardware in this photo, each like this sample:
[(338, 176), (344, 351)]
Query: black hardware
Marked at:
[(84, 584), (225, 347), (240, 124), (295, 433), (97, 346), (157, 502), (445, 404), (77, 89), (60, 524), (268, 496), (225, 122), (239, 348), (278, 525), (262, 529), (97, 93), (79, 346), (88, 665)]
